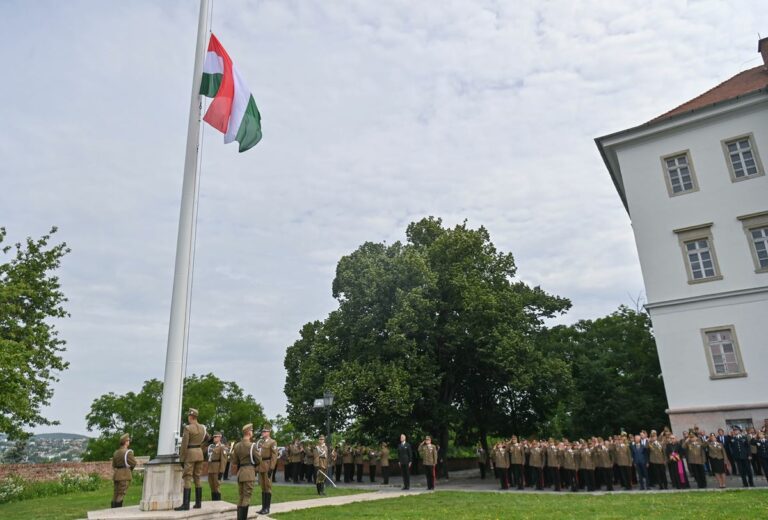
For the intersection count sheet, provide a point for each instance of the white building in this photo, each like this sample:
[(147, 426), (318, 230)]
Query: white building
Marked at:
[(697, 193)]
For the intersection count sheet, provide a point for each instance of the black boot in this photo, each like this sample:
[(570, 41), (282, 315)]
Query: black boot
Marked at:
[(322, 489), (239, 512), (119, 504), (268, 497), (263, 504), (185, 504), (198, 498), (218, 496), (113, 504), (245, 512), (318, 488)]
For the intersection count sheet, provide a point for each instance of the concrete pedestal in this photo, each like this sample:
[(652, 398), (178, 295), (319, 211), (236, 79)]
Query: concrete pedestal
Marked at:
[(162, 489), (209, 511)]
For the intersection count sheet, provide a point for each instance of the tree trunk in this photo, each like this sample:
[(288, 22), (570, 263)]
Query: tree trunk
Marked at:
[(443, 452)]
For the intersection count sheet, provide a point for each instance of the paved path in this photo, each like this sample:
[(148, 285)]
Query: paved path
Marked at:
[(284, 507)]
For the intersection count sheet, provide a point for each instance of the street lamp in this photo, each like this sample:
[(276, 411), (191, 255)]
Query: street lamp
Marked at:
[(326, 402)]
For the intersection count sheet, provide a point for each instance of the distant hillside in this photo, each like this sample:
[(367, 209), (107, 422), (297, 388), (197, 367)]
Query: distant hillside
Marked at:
[(58, 436)]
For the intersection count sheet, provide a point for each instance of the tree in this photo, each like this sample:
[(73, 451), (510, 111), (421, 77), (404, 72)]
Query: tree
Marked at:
[(429, 336), (223, 406), (16, 453), (615, 371), (30, 347)]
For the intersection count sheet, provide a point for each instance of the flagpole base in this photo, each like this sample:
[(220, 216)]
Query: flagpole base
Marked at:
[(162, 484)]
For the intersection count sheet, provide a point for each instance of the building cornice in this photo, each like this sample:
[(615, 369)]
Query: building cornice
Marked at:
[(706, 297), (722, 408)]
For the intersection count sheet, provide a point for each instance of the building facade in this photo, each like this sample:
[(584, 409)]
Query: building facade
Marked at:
[(696, 191)]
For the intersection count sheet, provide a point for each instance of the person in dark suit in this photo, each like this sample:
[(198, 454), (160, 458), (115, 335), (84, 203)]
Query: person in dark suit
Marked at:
[(404, 458), (640, 459), (725, 440)]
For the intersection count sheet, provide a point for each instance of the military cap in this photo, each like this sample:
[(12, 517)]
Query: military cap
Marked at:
[(248, 427), (428, 437), (125, 437), (322, 437), (217, 434), (266, 427), (192, 412)]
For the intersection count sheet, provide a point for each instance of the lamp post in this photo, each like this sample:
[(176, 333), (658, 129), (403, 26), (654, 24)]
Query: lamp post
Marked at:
[(326, 402)]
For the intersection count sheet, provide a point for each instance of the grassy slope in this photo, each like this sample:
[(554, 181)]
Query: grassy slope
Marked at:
[(77, 505), (460, 505)]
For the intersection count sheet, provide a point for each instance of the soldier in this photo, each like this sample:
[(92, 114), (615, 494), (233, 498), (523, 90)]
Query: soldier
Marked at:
[(428, 454), (309, 462), (761, 443), (694, 449), (358, 453), (623, 457), (657, 460), (267, 448), (500, 464), (321, 457), (741, 454), (384, 461), (349, 467), (245, 458), (481, 459), (604, 464), (536, 462), (123, 463), (553, 464), (373, 459), (217, 459), (338, 457), (516, 459), (716, 453), (191, 458), (569, 465)]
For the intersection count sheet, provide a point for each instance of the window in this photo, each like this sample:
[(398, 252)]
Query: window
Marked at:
[(723, 355), (742, 158), (678, 173), (744, 424), (699, 253), (756, 229)]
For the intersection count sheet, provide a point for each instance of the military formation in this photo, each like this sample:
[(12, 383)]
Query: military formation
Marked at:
[(623, 461)]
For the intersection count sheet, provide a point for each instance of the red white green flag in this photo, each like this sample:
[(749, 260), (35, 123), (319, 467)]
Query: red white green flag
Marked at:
[(233, 111)]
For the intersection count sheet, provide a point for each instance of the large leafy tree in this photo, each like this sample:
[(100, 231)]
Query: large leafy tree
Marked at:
[(616, 373), (30, 347), (430, 335), (222, 406)]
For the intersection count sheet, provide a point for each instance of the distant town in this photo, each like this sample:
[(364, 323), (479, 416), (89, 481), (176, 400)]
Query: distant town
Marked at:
[(47, 447)]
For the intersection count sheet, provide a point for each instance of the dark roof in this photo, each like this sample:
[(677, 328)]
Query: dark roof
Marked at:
[(742, 83)]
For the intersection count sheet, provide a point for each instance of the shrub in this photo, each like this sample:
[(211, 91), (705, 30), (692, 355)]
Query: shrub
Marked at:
[(15, 488), (11, 488)]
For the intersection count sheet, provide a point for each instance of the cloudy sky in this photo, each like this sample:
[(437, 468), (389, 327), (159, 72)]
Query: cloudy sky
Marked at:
[(375, 114)]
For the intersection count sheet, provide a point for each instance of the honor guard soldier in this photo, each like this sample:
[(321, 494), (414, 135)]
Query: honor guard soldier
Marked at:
[(267, 448), (191, 458), (384, 459), (428, 454), (246, 458), (217, 460), (294, 459), (321, 458), (500, 464), (516, 459), (123, 463)]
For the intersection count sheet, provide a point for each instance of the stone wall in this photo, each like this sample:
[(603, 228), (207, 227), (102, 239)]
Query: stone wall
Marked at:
[(51, 471)]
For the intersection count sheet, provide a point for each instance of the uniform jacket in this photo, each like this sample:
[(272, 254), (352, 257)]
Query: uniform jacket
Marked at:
[(321, 456), (384, 457), (267, 454), (123, 462), (715, 450), (622, 454), (553, 461), (586, 461), (294, 452), (740, 447), (246, 457), (191, 443), (604, 457), (656, 452), (217, 458), (428, 454), (695, 449), (516, 453), (537, 458), (499, 455)]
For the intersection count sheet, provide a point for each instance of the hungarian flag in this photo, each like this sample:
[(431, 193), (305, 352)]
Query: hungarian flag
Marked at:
[(233, 111)]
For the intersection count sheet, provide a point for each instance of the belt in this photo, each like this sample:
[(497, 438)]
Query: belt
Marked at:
[(193, 446), (120, 467), (266, 458), (215, 460), (247, 464)]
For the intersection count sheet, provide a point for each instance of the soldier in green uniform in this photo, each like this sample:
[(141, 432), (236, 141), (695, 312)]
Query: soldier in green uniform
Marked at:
[(245, 458), (428, 454), (516, 459), (384, 460), (123, 463), (348, 460), (321, 457), (373, 460), (217, 460), (657, 460), (267, 448), (358, 453), (191, 458), (604, 464), (694, 449), (569, 465), (553, 464), (294, 459), (309, 462), (500, 464), (623, 458), (337, 459), (536, 462)]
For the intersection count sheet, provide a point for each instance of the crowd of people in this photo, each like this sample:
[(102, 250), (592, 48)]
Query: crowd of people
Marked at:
[(624, 461)]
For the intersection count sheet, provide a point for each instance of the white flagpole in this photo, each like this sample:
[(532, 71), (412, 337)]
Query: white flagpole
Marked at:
[(173, 382)]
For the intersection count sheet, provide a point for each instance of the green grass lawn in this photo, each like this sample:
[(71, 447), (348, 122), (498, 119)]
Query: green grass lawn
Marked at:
[(456, 505), (77, 505)]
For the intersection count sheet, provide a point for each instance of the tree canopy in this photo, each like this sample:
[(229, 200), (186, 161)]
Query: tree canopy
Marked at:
[(429, 335), (223, 406), (30, 347)]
